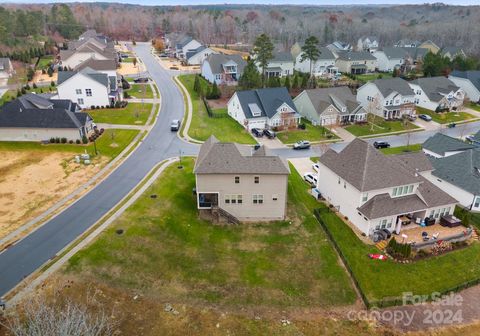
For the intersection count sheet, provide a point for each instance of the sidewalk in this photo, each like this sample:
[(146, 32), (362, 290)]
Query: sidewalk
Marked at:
[(343, 134)]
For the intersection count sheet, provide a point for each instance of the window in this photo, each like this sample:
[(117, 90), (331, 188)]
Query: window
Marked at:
[(233, 199), (344, 185), (410, 189), (476, 203), (256, 179), (395, 191), (80, 101), (275, 197), (364, 197), (257, 199), (339, 180), (239, 199), (383, 223), (404, 190), (237, 179), (78, 91), (88, 92)]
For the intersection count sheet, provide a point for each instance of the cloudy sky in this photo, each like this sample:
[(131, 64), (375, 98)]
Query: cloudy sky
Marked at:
[(277, 2)]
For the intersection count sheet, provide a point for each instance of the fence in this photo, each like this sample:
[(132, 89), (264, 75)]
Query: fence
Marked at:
[(210, 112), (388, 301)]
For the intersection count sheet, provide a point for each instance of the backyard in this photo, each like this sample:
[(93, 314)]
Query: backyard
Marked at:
[(377, 125), (402, 149), (310, 133), (140, 91), (168, 252), (44, 62), (202, 126), (132, 114), (445, 117)]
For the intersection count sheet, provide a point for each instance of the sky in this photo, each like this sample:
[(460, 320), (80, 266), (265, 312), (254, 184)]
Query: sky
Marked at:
[(273, 2)]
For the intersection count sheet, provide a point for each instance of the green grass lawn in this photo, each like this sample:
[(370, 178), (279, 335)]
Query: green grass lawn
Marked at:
[(372, 76), (132, 114), (44, 62), (474, 106), (445, 117), (310, 133), (380, 126), (166, 250), (402, 149), (140, 91), (128, 59), (202, 126), (384, 279), (110, 144), (7, 96)]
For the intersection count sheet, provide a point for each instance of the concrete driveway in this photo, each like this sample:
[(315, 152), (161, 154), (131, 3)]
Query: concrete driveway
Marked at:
[(302, 165), (427, 125)]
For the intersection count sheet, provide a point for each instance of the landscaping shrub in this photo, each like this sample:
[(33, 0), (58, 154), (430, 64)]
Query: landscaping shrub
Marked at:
[(302, 126), (92, 107), (52, 140), (63, 140), (70, 141), (84, 140), (126, 94), (57, 140), (52, 83), (399, 250), (78, 141), (34, 85), (27, 87)]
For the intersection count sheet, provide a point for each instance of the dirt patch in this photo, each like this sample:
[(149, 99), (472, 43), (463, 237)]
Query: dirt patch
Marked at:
[(127, 68), (218, 103), (167, 63), (40, 78), (34, 181)]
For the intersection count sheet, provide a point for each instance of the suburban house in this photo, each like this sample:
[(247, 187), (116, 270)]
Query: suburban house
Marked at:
[(367, 43), (390, 58), (197, 56), (240, 183), (325, 64), (6, 68), (413, 57), (184, 45), (106, 66), (407, 44), (88, 88), (223, 69), (279, 66), (469, 82), (264, 108), (390, 98), (441, 145), (339, 46), (72, 58), (457, 171), (437, 93), (33, 117), (377, 191), (453, 52), (431, 46), (329, 106), (356, 62), (92, 36)]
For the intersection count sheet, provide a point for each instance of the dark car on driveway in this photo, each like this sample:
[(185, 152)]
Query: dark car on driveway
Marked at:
[(301, 145), (381, 144), (269, 134), (257, 132), (141, 80)]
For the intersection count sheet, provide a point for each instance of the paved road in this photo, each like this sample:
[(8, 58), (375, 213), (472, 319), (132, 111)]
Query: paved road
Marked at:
[(30, 253)]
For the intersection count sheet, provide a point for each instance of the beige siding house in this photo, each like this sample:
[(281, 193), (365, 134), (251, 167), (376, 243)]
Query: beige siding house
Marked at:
[(241, 183)]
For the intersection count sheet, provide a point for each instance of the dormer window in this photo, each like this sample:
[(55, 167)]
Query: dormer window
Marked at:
[(402, 190)]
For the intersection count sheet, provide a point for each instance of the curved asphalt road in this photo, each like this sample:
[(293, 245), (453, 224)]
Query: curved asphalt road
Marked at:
[(27, 255)]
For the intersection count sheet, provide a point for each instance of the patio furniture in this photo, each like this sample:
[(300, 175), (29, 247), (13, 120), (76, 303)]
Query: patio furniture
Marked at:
[(425, 236), (450, 221), (435, 235), (429, 221), (404, 220)]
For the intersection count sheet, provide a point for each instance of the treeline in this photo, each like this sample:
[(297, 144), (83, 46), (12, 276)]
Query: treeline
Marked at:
[(24, 56), (438, 65)]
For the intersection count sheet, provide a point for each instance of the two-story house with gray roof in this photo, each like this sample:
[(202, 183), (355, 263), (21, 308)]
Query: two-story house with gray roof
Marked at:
[(437, 93), (241, 183), (356, 62), (198, 55), (367, 43), (390, 98), (279, 66), (377, 191), (223, 69), (390, 58), (330, 106), (469, 82), (264, 109), (324, 66), (184, 45)]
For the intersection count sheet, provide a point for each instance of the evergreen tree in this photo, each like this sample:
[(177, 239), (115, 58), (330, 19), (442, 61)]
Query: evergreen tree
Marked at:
[(250, 78), (295, 82), (310, 51), (304, 82), (263, 51), (196, 84), (287, 83)]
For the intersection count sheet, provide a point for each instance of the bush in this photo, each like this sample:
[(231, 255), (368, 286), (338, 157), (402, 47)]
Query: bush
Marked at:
[(34, 85), (57, 140), (126, 95), (44, 71), (52, 140), (92, 107), (70, 141), (302, 126), (84, 140), (78, 141), (399, 250), (63, 140), (52, 83), (27, 87), (97, 107)]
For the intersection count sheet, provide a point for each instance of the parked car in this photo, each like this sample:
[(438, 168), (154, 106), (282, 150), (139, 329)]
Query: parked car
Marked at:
[(175, 125), (471, 138), (301, 145), (412, 117), (257, 132), (311, 178), (381, 144), (141, 80), (315, 167), (269, 134), (425, 117)]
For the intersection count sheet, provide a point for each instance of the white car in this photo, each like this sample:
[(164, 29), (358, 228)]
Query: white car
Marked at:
[(311, 178), (315, 167)]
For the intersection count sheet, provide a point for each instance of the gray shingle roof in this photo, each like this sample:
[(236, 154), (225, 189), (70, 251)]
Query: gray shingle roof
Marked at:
[(230, 158), (453, 51), (416, 53), (436, 87), (394, 53), (268, 100), (281, 56), (97, 65), (193, 52), (216, 62), (388, 85), (440, 144), (339, 97), (366, 168), (325, 54), (356, 56), (461, 170), (97, 76), (473, 76), (416, 161)]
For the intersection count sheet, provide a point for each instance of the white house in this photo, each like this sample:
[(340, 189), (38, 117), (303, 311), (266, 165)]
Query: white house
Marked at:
[(281, 65), (469, 82), (263, 108), (223, 69), (197, 56), (323, 66), (440, 145), (356, 62), (375, 191), (390, 58), (367, 43), (185, 45), (390, 98), (6, 68), (437, 93), (88, 88), (72, 58)]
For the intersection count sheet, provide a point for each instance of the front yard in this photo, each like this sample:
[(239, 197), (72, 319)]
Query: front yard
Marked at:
[(202, 126), (310, 133), (377, 125), (445, 117), (140, 91), (402, 149), (132, 114), (474, 106), (388, 279), (168, 253)]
